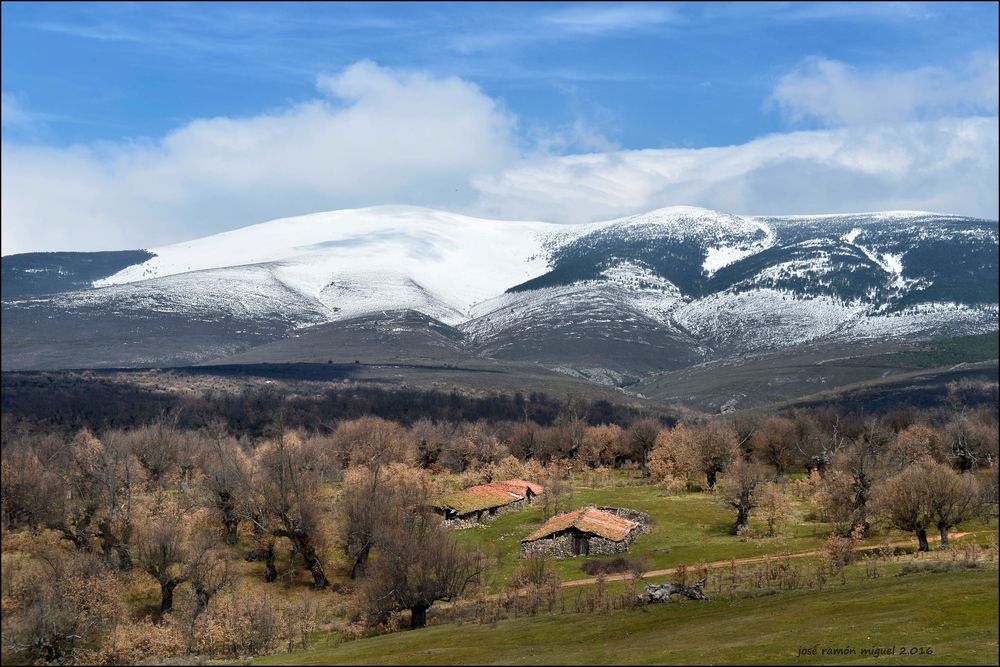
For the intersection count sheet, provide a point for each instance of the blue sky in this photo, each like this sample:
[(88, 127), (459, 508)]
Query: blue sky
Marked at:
[(655, 75), (106, 91)]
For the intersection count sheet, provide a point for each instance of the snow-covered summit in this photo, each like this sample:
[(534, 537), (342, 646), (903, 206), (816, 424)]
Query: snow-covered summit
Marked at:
[(455, 260)]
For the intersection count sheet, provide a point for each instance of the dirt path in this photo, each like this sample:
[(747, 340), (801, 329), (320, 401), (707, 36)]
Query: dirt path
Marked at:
[(715, 565)]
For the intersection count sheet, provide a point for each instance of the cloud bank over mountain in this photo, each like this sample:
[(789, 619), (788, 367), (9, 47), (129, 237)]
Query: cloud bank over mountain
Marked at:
[(857, 140)]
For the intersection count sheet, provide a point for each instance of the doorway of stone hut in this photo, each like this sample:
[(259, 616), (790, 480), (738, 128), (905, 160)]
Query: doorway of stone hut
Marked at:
[(581, 545)]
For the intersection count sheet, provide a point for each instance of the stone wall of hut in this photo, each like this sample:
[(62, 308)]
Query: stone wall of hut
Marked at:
[(560, 545)]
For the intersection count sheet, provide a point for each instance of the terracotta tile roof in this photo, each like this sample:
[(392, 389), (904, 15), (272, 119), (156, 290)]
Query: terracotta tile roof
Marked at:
[(587, 520), (519, 486), (487, 496)]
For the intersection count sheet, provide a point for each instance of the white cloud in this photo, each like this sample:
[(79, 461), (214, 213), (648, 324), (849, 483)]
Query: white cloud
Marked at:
[(837, 94), (946, 165), (385, 137), (12, 111), (381, 136), (599, 19)]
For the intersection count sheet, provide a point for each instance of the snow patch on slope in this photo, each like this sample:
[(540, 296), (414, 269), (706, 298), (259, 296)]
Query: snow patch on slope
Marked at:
[(939, 318), (244, 293), (353, 295), (763, 319), (452, 260), (722, 256)]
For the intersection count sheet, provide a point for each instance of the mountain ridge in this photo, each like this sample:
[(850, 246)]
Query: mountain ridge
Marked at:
[(611, 301)]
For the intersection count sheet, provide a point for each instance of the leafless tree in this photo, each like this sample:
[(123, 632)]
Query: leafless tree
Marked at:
[(431, 440), (641, 438), (59, 607), (744, 427), (281, 500), (418, 564), (905, 503), (557, 497), (775, 442), (374, 498), (954, 497), (913, 443), (571, 426), (28, 490), (860, 466), (206, 569), (162, 552), (716, 449), (99, 481), (156, 446), (523, 440), (356, 441), (602, 445), (225, 469), (973, 443), (739, 488)]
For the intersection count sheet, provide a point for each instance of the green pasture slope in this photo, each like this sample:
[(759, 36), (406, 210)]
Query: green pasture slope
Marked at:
[(954, 614), (688, 528)]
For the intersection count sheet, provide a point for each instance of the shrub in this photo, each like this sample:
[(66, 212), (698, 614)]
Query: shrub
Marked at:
[(758, 593), (613, 566), (939, 566)]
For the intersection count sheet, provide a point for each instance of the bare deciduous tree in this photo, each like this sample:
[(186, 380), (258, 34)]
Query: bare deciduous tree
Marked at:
[(225, 469), (207, 570), (100, 478), (915, 442), (972, 443), (374, 498), (775, 442), (641, 438), (418, 564), (859, 466), (56, 609), (357, 441), (740, 489), (700, 450), (954, 497), (281, 500), (162, 553), (774, 507), (905, 503), (27, 489)]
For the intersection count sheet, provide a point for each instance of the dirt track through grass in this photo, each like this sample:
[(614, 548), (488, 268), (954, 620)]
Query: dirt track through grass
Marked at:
[(747, 561), (715, 565)]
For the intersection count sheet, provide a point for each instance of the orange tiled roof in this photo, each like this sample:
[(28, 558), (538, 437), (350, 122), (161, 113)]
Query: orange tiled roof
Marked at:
[(587, 520), (519, 486), (487, 496)]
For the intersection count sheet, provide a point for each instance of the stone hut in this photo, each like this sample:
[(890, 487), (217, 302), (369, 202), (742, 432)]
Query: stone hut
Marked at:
[(589, 531), (481, 504)]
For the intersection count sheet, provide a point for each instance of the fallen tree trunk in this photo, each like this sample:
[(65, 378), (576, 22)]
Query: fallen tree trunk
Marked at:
[(663, 592)]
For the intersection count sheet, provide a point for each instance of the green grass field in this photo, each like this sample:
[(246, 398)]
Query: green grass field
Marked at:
[(953, 614), (689, 528)]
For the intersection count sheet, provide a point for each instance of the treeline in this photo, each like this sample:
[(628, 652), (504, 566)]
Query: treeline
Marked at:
[(911, 470), (67, 402)]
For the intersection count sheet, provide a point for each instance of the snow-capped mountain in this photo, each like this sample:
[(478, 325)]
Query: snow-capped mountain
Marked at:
[(607, 301), (355, 262)]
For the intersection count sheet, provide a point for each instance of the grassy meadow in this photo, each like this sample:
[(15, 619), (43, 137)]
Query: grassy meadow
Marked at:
[(953, 614)]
